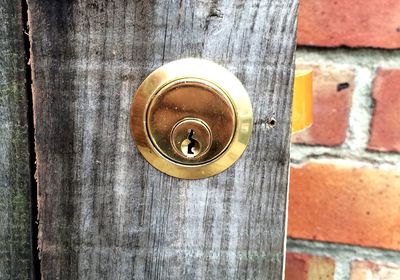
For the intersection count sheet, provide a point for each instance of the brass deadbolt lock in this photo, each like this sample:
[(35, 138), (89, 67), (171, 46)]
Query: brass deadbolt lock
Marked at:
[(191, 118)]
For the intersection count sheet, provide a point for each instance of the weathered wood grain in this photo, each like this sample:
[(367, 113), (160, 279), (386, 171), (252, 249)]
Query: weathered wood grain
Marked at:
[(104, 212), (15, 222)]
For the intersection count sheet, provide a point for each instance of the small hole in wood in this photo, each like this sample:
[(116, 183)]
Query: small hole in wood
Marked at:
[(271, 122)]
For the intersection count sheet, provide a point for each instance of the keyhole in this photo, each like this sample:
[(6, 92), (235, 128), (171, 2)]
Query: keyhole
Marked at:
[(190, 147), (192, 143)]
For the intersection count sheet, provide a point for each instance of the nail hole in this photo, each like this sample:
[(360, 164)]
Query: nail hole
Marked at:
[(271, 122)]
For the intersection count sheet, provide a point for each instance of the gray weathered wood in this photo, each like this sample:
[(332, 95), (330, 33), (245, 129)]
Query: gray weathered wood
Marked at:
[(104, 212), (15, 250)]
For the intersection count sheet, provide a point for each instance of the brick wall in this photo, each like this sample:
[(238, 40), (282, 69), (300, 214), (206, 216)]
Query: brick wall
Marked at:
[(344, 199)]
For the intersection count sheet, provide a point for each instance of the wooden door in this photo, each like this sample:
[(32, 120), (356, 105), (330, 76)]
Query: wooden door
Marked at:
[(103, 211)]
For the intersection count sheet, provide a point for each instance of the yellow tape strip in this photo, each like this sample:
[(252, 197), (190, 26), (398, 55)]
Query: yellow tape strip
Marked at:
[(302, 116)]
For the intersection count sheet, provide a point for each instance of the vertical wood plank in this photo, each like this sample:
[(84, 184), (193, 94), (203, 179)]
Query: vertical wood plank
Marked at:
[(15, 222), (104, 212)]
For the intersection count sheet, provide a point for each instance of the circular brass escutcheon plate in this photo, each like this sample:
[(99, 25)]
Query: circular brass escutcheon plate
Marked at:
[(191, 118)]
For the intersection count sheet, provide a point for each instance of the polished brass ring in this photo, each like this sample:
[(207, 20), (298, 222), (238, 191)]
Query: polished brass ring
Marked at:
[(214, 80)]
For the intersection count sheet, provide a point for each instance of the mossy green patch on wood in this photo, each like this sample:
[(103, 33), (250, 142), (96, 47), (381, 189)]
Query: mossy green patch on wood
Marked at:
[(15, 222)]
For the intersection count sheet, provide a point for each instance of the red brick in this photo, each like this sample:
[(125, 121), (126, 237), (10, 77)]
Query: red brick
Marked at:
[(345, 204), (332, 93), (385, 127), (364, 270), (354, 23), (308, 267)]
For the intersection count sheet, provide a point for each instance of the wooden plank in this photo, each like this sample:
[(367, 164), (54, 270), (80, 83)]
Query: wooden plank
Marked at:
[(104, 212), (15, 235)]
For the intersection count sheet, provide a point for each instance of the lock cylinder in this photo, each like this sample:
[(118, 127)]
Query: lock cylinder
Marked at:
[(192, 113), (191, 118), (191, 139)]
